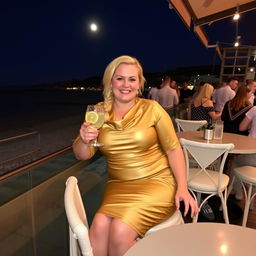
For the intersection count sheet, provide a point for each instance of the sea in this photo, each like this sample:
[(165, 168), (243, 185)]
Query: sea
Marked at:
[(17, 106)]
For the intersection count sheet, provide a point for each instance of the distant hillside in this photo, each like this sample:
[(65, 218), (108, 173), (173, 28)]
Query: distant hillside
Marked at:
[(179, 74)]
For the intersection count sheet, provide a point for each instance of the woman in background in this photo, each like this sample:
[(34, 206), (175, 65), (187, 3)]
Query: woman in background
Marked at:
[(202, 106), (234, 110)]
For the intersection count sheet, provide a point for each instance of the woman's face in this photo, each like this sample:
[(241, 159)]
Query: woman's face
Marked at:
[(125, 83)]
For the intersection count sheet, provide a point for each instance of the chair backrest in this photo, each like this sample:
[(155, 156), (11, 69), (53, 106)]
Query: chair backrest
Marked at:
[(205, 154), (78, 225), (189, 125)]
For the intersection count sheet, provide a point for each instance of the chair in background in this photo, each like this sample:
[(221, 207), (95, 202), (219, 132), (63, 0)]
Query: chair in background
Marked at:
[(189, 125), (79, 241), (78, 225), (203, 180), (247, 176)]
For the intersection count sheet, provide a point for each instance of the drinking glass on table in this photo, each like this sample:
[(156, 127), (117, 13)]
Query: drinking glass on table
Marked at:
[(95, 116), (218, 130)]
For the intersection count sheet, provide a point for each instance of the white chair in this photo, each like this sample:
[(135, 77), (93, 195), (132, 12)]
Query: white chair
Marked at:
[(79, 241), (189, 125), (203, 180), (247, 176), (175, 219), (78, 225)]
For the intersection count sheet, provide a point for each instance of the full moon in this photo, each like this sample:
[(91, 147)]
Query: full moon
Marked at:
[(93, 27)]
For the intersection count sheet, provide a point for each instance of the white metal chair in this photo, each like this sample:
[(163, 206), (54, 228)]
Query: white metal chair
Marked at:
[(175, 219), (79, 241), (203, 180), (189, 125), (78, 225), (247, 176)]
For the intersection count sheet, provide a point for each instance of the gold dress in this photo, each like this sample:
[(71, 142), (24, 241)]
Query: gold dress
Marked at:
[(141, 187)]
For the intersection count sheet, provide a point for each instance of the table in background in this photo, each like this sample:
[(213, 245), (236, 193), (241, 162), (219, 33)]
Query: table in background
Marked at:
[(243, 144), (197, 239)]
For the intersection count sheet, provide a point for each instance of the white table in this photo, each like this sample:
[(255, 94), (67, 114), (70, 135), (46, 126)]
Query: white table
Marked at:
[(243, 144), (198, 239)]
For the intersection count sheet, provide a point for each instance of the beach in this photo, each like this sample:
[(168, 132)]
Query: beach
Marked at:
[(51, 120)]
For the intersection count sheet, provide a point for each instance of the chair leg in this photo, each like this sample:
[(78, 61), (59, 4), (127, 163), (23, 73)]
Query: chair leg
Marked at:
[(224, 206), (198, 199), (230, 187), (247, 204)]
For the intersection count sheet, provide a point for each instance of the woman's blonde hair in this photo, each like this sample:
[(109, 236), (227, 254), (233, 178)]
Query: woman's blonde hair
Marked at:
[(108, 74), (205, 92)]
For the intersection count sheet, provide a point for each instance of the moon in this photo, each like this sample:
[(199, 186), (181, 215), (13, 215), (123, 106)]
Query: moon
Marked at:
[(93, 27)]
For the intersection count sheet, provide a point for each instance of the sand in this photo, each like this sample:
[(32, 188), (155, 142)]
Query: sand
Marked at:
[(45, 133)]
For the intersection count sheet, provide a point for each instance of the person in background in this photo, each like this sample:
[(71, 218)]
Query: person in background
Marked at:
[(154, 90), (146, 167), (167, 96), (234, 110), (252, 84), (185, 93), (248, 123), (175, 86), (198, 88), (225, 93), (202, 106)]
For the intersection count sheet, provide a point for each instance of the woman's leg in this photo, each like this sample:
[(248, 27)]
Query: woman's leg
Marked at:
[(121, 237), (99, 234)]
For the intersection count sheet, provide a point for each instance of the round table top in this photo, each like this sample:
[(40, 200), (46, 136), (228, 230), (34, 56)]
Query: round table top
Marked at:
[(243, 144), (198, 239)]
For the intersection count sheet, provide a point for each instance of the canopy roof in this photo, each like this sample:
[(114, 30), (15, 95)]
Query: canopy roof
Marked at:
[(196, 13)]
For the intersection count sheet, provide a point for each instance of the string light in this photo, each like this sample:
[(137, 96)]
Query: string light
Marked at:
[(236, 16), (237, 43)]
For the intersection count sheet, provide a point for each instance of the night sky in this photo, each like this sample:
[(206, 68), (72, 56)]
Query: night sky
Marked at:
[(49, 41)]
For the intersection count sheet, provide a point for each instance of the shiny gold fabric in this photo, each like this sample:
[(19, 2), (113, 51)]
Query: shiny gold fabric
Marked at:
[(141, 187)]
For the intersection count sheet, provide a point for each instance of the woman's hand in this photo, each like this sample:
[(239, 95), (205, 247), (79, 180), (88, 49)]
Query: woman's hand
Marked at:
[(189, 202), (87, 133)]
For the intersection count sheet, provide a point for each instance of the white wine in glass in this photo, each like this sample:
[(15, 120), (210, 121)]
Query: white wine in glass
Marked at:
[(95, 116)]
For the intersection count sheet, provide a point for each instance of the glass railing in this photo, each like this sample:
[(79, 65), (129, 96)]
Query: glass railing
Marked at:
[(33, 220)]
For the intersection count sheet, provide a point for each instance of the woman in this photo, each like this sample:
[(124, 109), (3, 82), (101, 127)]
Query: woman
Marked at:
[(202, 105), (146, 167), (248, 123), (234, 110)]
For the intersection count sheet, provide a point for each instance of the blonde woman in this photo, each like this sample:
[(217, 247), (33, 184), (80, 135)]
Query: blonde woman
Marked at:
[(202, 106), (146, 167)]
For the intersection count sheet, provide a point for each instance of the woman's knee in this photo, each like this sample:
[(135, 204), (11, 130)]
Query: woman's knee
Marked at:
[(100, 225), (121, 232)]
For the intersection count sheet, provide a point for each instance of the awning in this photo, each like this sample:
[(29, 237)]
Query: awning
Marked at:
[(197, 13)]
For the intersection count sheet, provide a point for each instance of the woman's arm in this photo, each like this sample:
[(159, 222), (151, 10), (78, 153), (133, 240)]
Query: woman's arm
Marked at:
[(81, 145), (245, 124), (212, 114), (177, 164)]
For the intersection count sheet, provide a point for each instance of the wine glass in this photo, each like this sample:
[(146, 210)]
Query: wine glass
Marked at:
[(95, 116)]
